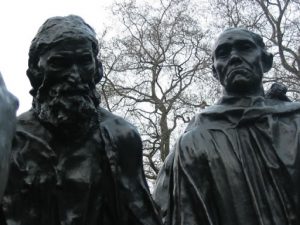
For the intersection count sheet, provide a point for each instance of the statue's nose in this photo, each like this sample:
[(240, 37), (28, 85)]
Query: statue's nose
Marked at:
[(235, 58), (74, 75)]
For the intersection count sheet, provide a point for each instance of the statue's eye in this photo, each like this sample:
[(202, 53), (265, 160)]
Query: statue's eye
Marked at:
[(246, 46), (58, 62), (223, 52), (86, 59)]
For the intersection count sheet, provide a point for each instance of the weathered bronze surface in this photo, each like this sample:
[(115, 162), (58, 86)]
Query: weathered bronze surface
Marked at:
[(72, 161), (238, 162)]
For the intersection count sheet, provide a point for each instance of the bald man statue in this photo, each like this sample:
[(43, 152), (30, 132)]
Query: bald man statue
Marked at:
[(238, 162)]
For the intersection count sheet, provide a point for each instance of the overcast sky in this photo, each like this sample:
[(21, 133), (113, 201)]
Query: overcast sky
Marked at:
[(19, 22)]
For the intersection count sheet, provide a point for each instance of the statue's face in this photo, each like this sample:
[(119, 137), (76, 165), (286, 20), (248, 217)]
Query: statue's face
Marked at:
[(67, 95), (70, 62), (238, 62)]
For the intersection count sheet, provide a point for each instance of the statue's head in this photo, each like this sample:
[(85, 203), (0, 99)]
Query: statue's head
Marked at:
[(57, 31), (63, 70), (240, 60)]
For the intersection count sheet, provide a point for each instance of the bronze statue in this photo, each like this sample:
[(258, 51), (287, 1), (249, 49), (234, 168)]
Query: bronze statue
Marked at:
[(72, 161), (8, 108), (238, 162)]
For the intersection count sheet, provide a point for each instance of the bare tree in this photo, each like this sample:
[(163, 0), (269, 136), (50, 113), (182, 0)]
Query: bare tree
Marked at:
[(157, 65), (157, 72)]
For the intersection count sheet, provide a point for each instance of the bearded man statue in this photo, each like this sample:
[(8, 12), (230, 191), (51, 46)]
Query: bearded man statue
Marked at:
[(72, 161)]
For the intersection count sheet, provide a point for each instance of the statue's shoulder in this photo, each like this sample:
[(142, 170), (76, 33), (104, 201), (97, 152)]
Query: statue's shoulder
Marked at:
[(122, 142), (26, 116), (27, 121), (116, 126), (29, 127), (284, 107), (108, 118), (200, 120)]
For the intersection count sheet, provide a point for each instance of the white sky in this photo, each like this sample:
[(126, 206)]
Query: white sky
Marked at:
[(19, 22)]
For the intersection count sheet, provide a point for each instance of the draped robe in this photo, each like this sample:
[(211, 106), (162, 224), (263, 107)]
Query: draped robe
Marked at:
[(237, 163), (95, 181)]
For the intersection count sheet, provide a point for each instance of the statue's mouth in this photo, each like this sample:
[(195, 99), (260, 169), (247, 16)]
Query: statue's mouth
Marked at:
[(74, 92), (68, 92), (242, 71)]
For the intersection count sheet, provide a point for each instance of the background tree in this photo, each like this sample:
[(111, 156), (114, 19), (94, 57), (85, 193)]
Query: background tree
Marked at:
[(158, 67), (157, 72)]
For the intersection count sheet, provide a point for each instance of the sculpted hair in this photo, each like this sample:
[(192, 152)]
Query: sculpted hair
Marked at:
[(52, 32), (257, 38)]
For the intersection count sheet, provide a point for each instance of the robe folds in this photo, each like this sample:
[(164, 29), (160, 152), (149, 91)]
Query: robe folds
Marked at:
[(95, 181), (237, 163)]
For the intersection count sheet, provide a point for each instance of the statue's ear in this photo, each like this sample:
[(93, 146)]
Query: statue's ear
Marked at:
[(267, 60), (99, 72), (215, 72)]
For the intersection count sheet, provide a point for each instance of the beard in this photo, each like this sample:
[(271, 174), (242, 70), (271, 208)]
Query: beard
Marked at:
[(69, 112)]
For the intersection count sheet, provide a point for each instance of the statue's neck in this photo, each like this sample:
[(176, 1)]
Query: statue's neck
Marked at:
[(258, 92)]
